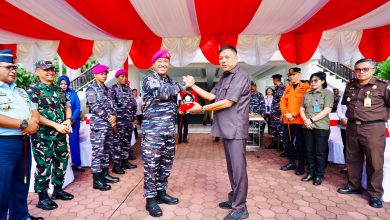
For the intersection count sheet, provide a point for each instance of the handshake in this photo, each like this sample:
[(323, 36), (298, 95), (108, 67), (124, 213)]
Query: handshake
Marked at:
[(189, 80)]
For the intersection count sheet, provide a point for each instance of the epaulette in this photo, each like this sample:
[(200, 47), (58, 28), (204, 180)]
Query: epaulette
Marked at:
[(382, 80)]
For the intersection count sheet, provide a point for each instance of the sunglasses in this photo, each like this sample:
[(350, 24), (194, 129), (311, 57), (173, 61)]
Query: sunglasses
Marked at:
[(10, 67), (362, 70)]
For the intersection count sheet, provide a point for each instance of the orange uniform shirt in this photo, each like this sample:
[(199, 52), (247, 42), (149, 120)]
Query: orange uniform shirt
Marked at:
[(291, 102)]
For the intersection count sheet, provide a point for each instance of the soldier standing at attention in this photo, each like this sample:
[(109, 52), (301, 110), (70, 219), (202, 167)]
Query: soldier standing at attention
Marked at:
[(103, 124), (367, 99), (158, 132), (49, 143), (18, 119), (292, 122), (126, 109), (276, 128)]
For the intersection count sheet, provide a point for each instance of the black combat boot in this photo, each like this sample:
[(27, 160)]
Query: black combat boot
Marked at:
[(131, 155), (300, 168), (127, 165), (273, 145), (98, 182), (117, 169), (45, 202), (107, 178), (153, 208), (163, 197), (59, 193)]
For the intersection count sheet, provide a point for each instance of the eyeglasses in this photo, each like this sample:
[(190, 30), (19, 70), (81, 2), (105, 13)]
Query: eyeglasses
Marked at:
[(314, 81), (362, 70), (10, 67)]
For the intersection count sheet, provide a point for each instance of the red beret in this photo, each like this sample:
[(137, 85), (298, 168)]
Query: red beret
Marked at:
[(161, 54), (120, 72), (99, 69)]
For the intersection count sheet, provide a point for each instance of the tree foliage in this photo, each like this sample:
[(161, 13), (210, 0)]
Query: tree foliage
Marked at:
[(383, 69)]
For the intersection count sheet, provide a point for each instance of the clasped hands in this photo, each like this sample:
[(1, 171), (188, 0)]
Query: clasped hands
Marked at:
[(189, 80), (32, 127), (289, 116)]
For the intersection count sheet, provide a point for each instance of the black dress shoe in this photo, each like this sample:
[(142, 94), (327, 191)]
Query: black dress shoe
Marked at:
[(344, 171), (225, 205), (153, 208), (307, 178), (163, 197), (376, 202), (237, 215), (317, 181), (289, 166), (348, 190), (185, 141), (61, 194), (34, 218)]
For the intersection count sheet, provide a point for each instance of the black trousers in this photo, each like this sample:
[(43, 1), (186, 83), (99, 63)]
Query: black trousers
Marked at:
[(317, 150), (293, 142), (344, 138), (184, 126)]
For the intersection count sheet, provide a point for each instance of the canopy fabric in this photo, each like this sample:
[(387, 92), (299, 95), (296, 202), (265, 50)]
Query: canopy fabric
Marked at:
[(112, 31)]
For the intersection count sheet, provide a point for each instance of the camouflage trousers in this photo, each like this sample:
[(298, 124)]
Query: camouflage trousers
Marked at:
[(158, 152), (276, 127), (101, 141), (51, 157), (122, 142)]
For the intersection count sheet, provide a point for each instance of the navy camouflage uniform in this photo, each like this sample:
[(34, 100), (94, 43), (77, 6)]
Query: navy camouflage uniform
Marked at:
[(126, 109), (276, 128), (48, 145), (257, 106), (158, 130), (102, 135)]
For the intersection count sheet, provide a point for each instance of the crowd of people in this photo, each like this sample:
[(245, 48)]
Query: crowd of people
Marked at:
[(297, 116)]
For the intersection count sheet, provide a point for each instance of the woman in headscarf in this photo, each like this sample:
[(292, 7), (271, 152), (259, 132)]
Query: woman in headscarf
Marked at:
[(74, 142)]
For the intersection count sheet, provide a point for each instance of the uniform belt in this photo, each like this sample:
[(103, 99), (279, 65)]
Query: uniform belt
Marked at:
[(11, 136), (365, 122)]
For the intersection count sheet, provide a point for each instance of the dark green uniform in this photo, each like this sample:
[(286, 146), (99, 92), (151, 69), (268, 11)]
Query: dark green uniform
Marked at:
[(49, 146)]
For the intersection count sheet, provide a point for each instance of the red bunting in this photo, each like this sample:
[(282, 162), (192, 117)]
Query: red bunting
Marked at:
[(299, 45), (142, 51), (375, 43), (220, 22), (75, 53)]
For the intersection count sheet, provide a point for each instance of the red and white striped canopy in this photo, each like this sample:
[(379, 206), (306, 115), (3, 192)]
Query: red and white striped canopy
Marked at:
[(110, 30)]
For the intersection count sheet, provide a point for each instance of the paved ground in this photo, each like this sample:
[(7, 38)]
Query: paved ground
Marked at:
[(200, 180)]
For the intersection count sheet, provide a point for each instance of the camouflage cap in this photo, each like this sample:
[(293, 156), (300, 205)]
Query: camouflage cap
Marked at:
[(44, 64)]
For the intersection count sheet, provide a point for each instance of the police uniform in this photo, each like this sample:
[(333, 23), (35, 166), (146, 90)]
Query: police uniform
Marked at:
[(49, 146), (158, 130), (15, 154), (276, 128), (126, 109), (367, 107), (292, 130), (101, 130)]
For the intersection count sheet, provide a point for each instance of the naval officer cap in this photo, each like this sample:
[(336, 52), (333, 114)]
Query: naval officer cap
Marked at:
[(161, 54), (276, 76), (6, 56), (44, 64), (294, 70), (99, 69)]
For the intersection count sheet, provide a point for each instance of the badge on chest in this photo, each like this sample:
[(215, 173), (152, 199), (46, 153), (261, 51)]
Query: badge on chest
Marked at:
[(316, 106), (367, 100)]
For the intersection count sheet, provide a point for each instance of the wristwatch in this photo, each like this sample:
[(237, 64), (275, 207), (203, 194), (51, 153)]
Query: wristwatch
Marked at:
[(23, 125)]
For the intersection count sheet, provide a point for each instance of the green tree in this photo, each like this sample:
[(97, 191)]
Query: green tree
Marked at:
[(24, 78), (383, 69)]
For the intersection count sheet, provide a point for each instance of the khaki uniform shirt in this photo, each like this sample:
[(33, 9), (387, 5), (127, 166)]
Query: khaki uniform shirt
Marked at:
[(324, 98), (378, 91)]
